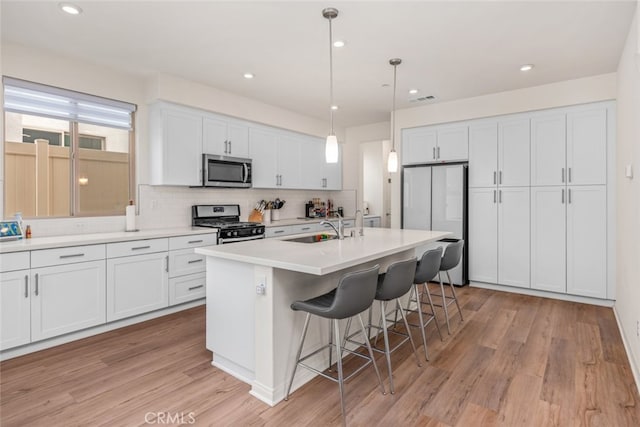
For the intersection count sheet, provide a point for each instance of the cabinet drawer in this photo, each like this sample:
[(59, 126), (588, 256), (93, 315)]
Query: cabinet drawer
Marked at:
[(193, 241), (304, 228), (14, 261), (187, 288), (60, 256), (278, 231), (137, 247), (185, 261)]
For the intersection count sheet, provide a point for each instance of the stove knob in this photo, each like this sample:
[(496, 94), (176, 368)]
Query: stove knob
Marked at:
[(235, 233)]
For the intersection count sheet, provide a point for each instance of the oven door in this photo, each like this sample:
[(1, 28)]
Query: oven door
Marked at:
[(223, 171), (225, 240)]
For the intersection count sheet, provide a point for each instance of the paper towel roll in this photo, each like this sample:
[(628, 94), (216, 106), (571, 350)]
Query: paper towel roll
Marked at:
[(131, 218)]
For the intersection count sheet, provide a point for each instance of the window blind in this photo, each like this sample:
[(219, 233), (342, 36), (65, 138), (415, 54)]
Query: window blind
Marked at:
[(21, 96)]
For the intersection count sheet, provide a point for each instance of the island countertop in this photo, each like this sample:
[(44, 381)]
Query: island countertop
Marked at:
[(323, 257)]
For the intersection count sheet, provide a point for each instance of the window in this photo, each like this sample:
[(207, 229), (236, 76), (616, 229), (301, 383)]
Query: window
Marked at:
[(66, 153)]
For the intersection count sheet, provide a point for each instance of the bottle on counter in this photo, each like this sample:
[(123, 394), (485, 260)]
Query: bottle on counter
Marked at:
[(27, 232)]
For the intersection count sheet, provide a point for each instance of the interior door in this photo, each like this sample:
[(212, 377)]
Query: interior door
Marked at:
[(416, 201)]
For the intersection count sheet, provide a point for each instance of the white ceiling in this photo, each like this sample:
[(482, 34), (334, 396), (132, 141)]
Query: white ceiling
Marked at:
[(449, 49)]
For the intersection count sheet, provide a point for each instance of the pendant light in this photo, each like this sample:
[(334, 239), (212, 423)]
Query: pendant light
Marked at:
[(392, 161), (331, 146)]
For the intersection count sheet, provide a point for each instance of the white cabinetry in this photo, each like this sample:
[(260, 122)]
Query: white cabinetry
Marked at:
[(225, 137), (175, 145), (15, 308), (373, 221), (483, 235), (276, 159), (316, 173), (431, 144), (513, 236), (587, 146), (187, 278), (136, 283), (548, 154)]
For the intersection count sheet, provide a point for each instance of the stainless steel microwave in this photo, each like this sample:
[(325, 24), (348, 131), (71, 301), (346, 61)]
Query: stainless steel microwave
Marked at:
[(224, 171)]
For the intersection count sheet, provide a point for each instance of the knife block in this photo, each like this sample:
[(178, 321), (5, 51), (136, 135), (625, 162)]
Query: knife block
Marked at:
[(255, 216)]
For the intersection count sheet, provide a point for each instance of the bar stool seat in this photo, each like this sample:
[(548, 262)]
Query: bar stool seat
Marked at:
[(450, 259), (354, 294)]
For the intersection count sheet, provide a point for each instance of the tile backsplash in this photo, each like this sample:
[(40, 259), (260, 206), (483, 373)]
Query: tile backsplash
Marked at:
[(168, 207)]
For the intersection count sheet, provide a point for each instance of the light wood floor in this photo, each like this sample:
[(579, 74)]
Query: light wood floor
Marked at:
[(515, 360)]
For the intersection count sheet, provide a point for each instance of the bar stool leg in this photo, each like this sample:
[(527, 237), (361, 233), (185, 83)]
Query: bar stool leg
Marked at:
[(444, 303), (304, 334), (336, 328), (421, 319), (387, 354), (373, 360), (433, 309), (406, 325), (330, 344), (455, 298)]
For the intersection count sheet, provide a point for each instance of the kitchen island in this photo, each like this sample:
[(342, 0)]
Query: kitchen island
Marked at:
[(251, 329)]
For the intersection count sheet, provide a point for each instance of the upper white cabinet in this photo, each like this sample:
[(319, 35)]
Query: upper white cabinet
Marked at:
[(175, 145), (431, 144), (548, 149), (587, 146), (225, 137), (316, 173), (263, 149), (289, 154), (499, 153)]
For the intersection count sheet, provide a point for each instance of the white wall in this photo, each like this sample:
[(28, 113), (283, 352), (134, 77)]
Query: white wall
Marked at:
[(570, 92), (373, 176), (43, 67), (627, 305)]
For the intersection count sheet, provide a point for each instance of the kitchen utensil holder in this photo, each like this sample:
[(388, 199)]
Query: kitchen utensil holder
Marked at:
[(275, 214), (266, 216)]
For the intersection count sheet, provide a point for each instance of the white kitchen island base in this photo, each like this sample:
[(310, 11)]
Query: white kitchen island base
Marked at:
[(254, 335)]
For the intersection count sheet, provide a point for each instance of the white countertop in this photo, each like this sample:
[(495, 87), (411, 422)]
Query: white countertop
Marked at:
[(323, 257), (97, 238)]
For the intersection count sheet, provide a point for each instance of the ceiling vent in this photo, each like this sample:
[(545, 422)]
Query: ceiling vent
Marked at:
[(423, 98)]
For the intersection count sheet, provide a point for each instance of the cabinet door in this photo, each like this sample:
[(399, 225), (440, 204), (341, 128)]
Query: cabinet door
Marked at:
[(214, 136), (587, 146), (263, 150), (419, 145), (483, 155), (67, 298), (587, 241), (289, 161), (332, 172), (15, 309), (182, 142), (548, 149), (238, 136), (136, 285), (548, 231), (312, 163), (483, 235), (513, 153), (453, 143), (513, 236)]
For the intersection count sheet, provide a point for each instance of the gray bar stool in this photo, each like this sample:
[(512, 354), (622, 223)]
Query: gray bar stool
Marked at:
[(354, 294), (426, 270), (450, 259), (392, 285)]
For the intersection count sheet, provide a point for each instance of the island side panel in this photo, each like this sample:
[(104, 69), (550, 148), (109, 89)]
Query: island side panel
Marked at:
[(230, 317)]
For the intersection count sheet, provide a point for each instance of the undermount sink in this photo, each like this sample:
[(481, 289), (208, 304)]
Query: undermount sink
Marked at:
[(316, 238)]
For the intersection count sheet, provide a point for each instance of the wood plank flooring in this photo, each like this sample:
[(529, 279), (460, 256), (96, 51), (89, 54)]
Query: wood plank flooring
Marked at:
[(515, 361)]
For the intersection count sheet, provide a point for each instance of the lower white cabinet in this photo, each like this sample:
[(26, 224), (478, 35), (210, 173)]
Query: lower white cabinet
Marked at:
[(374, 221), (187, 288), (483, 235), (513, 236), (15, 309), (67, 298), (137, 284)]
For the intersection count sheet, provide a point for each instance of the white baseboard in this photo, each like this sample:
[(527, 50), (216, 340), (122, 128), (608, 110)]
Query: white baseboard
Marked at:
[(634, 367), (544, 294)]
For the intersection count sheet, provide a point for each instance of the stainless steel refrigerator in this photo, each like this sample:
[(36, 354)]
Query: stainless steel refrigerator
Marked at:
[(434, 197)]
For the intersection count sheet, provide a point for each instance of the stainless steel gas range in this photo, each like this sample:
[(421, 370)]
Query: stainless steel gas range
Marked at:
[(226, 218)]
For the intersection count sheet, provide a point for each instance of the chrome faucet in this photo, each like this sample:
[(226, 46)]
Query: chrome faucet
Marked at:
[(361, 227), (340, 230)]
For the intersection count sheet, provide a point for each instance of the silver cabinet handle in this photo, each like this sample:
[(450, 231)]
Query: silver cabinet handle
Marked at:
[(71, 256), (569, 176), (193, 261), (166, 259), (193, 288), (563, 196), (569, 195), (494, 177), (277, 180), (499, 196), (494, 196), (140, 248), (37, 285), (434, 152), (191, 242), (562, 174), (229, 146), (438, 150), (278, 231), (26, 286), (226, 147), (306, 228), (500, 179)]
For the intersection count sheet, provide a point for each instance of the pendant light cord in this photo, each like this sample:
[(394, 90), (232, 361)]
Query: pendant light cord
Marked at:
[(393, 112), (331, 75)]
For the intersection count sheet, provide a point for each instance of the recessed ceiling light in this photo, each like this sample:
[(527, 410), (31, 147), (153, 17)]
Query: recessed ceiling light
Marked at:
[(526, 67), (338, 43), (249, 75), (71, 9), (413, 91), (334, 107)]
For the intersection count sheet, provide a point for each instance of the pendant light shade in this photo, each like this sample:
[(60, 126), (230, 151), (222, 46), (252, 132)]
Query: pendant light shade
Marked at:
[(331, 151), (392, 160)]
